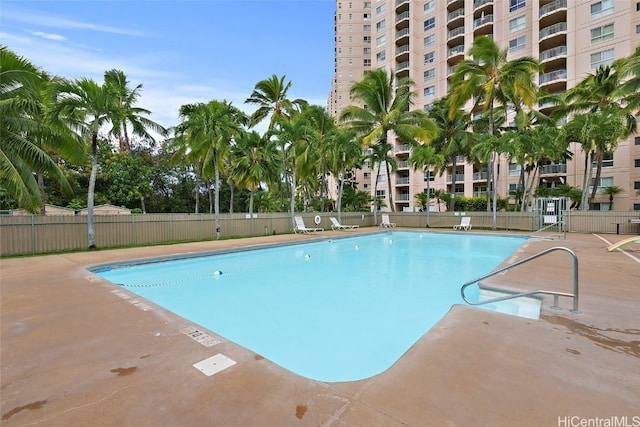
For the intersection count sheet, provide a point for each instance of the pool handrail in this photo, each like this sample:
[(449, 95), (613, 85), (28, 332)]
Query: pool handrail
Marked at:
[(555, 294), (560, 225)]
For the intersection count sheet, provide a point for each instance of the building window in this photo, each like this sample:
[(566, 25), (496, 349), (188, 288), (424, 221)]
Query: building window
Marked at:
[(380, 25), (517, 44), (429, 6), (429, 40), (380, 9), (367, 63), (517, 24), (429, 176), (637, 140), (636, 185), (367, 39), (636, 206), (429, 91), (429, 74), (381, 56), (367, 5), (366, 51), (638, 6), (638, 29), (367, 16), (516, 4), (607, 160), (605, 181), (602, 58), (427, 107), (429, 24), (636, 163), (602, 206), (381, 40), (366, 28), (602, 8), (601, 34), (429, 57)]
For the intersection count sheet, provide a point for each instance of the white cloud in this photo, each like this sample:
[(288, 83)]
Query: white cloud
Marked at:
[(38, 19), (48, 36)]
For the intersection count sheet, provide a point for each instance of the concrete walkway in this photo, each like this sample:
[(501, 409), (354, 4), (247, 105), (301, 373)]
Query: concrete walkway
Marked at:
[(79, 351)]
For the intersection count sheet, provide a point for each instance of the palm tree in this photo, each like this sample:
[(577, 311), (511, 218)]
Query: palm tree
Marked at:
[(611, 190), (88, 106), (377, 155), (491, 79), (208, 129), (425, 157), (454, 138), (127, 113), (253, 159), (26, 130), (323, 126), (345, 153), (602, 92), (387, 108)]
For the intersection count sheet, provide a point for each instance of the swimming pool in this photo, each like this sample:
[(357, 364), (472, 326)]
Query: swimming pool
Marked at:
[(332, 310)]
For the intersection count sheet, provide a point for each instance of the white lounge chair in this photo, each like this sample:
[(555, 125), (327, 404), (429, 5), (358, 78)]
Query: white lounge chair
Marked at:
[(299, 227), (465, 224), (386, 223), (335, 225)]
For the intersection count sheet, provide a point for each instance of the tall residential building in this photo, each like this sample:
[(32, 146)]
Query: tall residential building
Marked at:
[(425, 39)]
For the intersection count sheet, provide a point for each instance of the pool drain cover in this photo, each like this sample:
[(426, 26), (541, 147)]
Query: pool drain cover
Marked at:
[(214, 364)]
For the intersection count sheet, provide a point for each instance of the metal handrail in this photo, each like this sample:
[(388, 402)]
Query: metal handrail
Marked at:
[(555, 294)]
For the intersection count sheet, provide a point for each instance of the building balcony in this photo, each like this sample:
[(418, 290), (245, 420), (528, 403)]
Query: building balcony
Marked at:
[(402, 66), (483, 20), (478, 4), (455, 51), (402, 34), (481, 193), (456, 15), (403, 148), (402, 197), (404, 180), (402, 5), (553, 54), (552, 30), (402, 53), (459, 178), (402, 20), (553, 7), (403, 164), (480, 176), (455, 33), (551, 77), (553, 169)]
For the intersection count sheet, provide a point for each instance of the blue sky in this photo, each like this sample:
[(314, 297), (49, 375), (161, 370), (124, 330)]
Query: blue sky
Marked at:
[(180, 51)]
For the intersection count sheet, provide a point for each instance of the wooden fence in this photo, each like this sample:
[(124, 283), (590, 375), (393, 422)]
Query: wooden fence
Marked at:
[(37, 234)]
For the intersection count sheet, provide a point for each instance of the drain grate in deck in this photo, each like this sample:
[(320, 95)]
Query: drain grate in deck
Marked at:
[(214, 364)]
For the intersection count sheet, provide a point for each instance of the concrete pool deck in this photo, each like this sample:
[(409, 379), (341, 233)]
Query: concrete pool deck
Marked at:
[(79, 351)]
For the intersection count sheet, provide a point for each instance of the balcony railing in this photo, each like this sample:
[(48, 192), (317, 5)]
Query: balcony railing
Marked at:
[(480, 176), (403, 15), (459, 178), (403, 164), (554, 75), (399, 2), (403, 148), (456, 32), (402, 197), (402, 180), (553, 29), (402, 49), (403, 32), (402, 65), (548, 8), (455, 14), (557, 168), (552, 53), (478, 3), (458, 50), (481, 21)]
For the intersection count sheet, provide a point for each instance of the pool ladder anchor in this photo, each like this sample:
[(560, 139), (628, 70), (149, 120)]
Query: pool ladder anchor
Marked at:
[(555, 294)]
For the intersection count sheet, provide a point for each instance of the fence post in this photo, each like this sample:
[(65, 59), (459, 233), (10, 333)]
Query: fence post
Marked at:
[(33, 234)]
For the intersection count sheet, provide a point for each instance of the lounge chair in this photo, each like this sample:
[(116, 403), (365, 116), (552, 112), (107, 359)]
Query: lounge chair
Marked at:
[(465, 224), (299, 227), (386, 223), (335, 225)]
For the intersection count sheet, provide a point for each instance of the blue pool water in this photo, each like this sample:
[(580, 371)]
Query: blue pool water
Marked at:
[(333, 310)]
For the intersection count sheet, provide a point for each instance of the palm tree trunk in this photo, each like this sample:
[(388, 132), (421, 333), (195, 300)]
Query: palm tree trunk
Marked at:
[(292, 202), (232, 187), (452, 202), (340, 190), (588, 170), (251, 193), (43, 196), (495, 191), (428, 196), (217, 197), (91, 233), (598, 159), (142, 205), (375, 197), (390, 188), (209, 196)]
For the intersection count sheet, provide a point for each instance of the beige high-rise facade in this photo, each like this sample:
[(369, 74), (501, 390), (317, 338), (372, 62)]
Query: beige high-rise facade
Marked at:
[(425, 39)]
